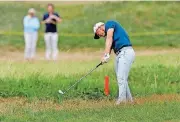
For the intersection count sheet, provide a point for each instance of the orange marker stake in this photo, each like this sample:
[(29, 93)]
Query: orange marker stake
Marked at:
[(106, 85)]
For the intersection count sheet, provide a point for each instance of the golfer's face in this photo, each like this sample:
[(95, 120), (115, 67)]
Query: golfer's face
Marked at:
[(100, 32)]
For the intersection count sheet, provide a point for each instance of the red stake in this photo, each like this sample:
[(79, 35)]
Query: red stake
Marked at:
[(106, 85)]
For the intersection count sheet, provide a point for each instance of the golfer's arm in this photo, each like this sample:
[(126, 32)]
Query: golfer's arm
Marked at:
[(109, 40)]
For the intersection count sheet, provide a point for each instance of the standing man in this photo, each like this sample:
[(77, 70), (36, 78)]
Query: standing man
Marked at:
[(51, 36), (118, 40), (31, 26)]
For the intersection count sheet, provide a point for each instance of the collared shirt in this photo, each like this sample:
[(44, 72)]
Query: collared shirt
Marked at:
[(120, 36), (49, 26), (31, 24)]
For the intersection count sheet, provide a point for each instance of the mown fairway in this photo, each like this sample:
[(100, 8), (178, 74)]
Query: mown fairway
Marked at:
[(29, 90)]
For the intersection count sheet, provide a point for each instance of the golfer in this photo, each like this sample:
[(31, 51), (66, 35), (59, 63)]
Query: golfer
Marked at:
[(31, 26), (118, 40), (51, 36)]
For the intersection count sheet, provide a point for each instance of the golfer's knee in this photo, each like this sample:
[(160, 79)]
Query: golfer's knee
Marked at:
[(121, 80)]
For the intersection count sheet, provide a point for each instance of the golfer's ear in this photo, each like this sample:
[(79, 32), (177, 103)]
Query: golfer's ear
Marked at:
[(110, 33)]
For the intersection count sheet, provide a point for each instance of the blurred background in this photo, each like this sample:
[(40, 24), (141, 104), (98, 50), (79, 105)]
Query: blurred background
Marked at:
[(148, 23)]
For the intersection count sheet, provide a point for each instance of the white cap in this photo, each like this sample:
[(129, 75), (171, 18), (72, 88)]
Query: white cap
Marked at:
[(32, 10), (96, 26)]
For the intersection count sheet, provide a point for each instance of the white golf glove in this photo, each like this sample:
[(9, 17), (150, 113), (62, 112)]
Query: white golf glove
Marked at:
[(106, 57)]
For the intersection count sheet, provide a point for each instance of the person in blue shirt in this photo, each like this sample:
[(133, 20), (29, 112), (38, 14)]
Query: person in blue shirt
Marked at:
[(50, 20), (118, 40), (31, 26)]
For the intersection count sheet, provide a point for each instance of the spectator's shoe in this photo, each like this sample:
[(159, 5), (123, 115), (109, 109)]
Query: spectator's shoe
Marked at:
[(26, 59), (47, 58)]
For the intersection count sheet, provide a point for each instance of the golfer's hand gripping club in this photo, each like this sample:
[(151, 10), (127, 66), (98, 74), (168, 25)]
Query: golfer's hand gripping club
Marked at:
[(105, 58)]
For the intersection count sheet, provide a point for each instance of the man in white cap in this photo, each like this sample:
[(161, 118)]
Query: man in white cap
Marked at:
[(31, 26), (118, 40)]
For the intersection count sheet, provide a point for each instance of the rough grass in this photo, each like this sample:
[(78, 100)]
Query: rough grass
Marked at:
[(149, 75), (35, 85), (78, 19), (28, 91)]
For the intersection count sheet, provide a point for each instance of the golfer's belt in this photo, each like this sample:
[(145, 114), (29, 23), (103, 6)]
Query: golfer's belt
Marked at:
[(117, 53)]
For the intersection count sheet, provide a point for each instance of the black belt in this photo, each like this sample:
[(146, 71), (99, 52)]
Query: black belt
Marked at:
[(119, 50)]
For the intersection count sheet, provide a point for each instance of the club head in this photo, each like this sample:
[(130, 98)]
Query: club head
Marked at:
[(61, 92)]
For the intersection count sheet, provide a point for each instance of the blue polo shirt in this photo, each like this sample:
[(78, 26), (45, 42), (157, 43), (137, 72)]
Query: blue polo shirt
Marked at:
[(49, 26), (120, 37)]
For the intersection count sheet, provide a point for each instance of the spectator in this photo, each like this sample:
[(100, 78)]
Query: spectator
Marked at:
[(51, 36), (31, 26)]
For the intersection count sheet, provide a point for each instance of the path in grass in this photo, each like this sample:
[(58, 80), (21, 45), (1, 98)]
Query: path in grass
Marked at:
[(164, 108), (38, 105), (83, 55)]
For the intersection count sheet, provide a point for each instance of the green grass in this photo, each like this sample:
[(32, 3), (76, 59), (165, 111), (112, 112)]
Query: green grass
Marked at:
[(149, 112), (39, 82), (79, 18), (149, 75)]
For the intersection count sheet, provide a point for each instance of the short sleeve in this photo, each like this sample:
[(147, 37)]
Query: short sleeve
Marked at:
[(57, 14), (110, 25), (44, 17)]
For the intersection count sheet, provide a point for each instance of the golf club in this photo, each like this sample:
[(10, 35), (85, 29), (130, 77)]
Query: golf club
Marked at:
[(61, 92)]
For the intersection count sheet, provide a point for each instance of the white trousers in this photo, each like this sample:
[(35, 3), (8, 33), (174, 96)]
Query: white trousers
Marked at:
[(30, 44), (123, 63), (51, 41)]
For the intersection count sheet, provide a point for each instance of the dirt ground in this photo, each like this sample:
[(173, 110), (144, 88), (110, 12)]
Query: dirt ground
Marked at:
[(85, 56), (37, 105)]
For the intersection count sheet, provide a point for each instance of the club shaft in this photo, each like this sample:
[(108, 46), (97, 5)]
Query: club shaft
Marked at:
[(82, 77)]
